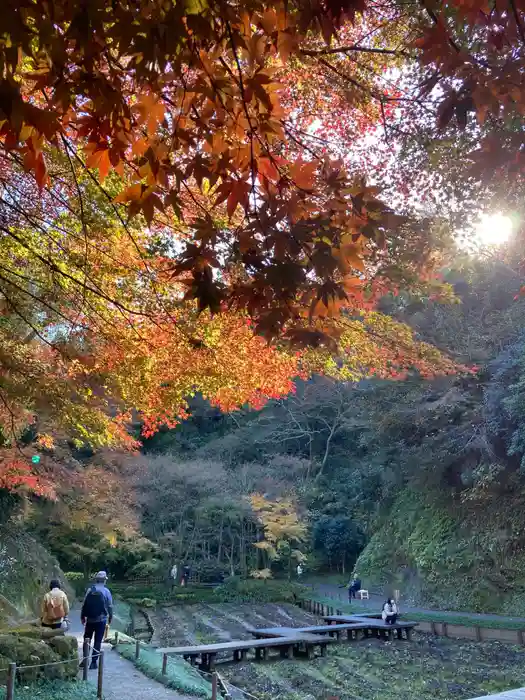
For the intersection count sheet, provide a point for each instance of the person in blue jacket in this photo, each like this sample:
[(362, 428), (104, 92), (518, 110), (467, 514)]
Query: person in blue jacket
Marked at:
[(96, 613)]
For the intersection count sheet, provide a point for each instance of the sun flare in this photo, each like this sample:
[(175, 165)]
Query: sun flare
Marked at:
[(493, 229)]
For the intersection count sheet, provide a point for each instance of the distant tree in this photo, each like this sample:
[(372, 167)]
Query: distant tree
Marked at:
[(282, 533), (338, 541)]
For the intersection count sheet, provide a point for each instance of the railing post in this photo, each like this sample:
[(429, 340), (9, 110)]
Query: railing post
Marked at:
[(100, 678), (164, 664), (116, 639), (214, 686), (85, 660), (137, 649), (11, 677)]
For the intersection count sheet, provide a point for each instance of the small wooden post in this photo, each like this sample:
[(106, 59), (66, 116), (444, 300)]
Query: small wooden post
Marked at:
[(445, 628), (433, 627), (164, 664), (85, 660), (100, 678), (478, 633), (11, 677), (213, 686), (116, 639), (137, 649), (520, 637)]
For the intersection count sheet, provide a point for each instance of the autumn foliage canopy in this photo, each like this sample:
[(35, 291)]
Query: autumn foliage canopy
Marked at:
[(184, 197)]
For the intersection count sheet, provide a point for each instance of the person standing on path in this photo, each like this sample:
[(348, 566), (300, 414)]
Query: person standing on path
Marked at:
[(55, 607), (96, 613), (173, 573)]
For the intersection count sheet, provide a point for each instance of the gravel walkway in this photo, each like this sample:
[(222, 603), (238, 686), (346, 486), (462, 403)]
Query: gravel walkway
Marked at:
[(122, 681)]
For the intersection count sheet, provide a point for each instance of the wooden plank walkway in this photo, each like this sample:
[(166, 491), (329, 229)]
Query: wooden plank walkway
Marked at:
[(517, 694), (288, 646), (292, 641), (332, 630)]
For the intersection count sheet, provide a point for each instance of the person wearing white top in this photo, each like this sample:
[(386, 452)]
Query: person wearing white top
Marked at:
[(389, 613)]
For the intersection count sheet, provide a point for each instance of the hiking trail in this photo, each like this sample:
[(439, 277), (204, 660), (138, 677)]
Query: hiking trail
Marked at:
[(122, 680)]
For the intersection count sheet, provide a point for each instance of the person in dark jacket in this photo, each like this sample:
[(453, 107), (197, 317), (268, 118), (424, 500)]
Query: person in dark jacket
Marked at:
[(353, 587), (96, 613)]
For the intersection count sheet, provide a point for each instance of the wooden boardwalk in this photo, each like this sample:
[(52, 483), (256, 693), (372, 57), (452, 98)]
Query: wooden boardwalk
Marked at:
[(287, 645), (517, 694), (290, 641)]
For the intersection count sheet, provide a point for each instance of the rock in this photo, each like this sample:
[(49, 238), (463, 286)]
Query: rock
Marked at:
[(66, 647), (27, 651)]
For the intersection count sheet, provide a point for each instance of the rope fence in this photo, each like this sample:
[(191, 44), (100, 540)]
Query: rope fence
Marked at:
[(218, 682), (14, 670)]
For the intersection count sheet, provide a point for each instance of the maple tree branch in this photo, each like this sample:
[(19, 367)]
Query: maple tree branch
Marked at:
[(12, 416), (435, 20), (83, 221), (352, 48), (28, 293), (28, 323), (519, 24)]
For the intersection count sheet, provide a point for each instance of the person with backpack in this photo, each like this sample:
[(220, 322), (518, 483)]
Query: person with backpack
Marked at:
[(55, 607), (96, 613)]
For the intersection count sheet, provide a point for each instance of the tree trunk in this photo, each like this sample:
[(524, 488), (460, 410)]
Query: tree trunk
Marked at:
[(219, 545)]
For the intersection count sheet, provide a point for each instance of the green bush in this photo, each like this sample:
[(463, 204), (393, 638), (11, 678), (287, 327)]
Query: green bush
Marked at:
[(54, 690), (236, 590), (233, 590), (179, 674), (78, 582), (210, 572), (146, 569), (135, 592)]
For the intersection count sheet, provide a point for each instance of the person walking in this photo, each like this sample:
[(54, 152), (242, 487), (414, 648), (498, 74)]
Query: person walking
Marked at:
[(96, 614), (389, 613), (300, 571), (55, 607), (186, 571)]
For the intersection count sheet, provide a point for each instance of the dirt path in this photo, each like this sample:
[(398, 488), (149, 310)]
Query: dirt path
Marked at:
[(122, 681), (333, 591)]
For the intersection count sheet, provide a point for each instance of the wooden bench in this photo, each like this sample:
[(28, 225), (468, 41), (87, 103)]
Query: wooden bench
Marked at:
[(287, 645), (375, 625), (331, 630)]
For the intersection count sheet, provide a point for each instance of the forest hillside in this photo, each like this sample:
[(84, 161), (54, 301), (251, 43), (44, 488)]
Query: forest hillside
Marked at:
[(420, 480)]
